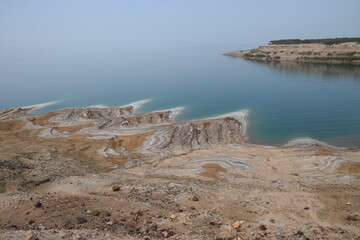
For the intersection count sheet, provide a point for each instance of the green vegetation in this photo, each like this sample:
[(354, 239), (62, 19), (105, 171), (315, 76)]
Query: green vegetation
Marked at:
[(247, 55), (260, 55), (327, 41), (345, 59)]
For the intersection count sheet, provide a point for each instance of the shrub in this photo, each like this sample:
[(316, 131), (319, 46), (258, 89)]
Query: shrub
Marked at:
[(259, 55), (327, 41), (248, 55)]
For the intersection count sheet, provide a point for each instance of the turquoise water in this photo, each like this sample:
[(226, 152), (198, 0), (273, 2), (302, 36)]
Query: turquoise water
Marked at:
[(286, 100)]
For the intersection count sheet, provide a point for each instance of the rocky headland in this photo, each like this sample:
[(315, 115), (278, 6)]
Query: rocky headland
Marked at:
[(314, 50), (109, 173)]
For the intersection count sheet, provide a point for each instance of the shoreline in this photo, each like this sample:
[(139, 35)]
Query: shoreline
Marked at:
[(110, 172), (241, 116), (342, 53)]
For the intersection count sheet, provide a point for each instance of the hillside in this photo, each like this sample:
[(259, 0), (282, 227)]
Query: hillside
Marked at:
[(316, 50)]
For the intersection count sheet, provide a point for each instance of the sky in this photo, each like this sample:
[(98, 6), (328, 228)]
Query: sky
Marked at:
[(143, 24)]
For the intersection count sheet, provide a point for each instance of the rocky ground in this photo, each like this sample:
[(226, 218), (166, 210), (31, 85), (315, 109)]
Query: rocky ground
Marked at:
[(305, 52), (107, 173)]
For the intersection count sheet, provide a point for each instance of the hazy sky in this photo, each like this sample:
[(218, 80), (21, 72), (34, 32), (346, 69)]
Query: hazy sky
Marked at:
[(171, 23)]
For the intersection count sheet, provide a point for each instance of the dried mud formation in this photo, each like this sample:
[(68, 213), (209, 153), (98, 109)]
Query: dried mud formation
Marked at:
[(348, 52), (107, 173)]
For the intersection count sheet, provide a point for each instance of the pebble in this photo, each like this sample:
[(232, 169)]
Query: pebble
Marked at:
[(30, 235), (81, 220), (116, 188), (165, 234), (262, 227), (96, 213), (173, 217), (38, 204), (195, 198), (238, 224)]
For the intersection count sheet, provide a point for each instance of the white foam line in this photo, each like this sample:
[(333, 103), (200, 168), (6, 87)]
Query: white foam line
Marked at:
[(98, 106), (307, 141), (175, 112), (238, 115), (137, 105), (41, 105)]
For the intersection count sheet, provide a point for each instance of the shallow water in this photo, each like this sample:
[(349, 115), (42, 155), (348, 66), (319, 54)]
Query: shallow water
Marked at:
[(286, 100)]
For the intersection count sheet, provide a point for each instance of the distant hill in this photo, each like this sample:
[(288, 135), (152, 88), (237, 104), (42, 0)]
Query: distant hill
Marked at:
[(327, 50), (327, 41)]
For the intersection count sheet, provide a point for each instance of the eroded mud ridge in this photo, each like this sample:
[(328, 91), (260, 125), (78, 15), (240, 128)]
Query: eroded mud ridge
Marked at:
[(107, 173)]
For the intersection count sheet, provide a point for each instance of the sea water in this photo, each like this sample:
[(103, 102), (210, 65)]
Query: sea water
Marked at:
[(285, 100)]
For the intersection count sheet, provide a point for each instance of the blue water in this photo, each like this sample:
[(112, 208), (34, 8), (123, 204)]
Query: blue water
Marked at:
[(285, 100)]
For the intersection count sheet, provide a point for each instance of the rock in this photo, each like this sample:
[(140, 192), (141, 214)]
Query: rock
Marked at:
[(116, 188), (165, 234), (30, 235), (88, 211), (262, 227), (96, 213), (135, 212), (81, 220), (108, 214), (353, 218), (38, 204), (238, 224), (153, 227), (173, 217), (306, 208), (195, 198), (299, 233), (31, 222)]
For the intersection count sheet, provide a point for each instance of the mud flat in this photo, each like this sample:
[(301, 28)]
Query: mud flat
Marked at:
[(346, 52), (108, 173)]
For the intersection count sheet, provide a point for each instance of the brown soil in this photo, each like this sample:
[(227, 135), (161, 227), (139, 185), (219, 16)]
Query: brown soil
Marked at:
[(13, 125), (212, 170), (176, 193), (43, 119), (74, 129), (350, 168)]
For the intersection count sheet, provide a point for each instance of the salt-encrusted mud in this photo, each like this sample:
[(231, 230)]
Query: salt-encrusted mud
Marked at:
[(108, 173)]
